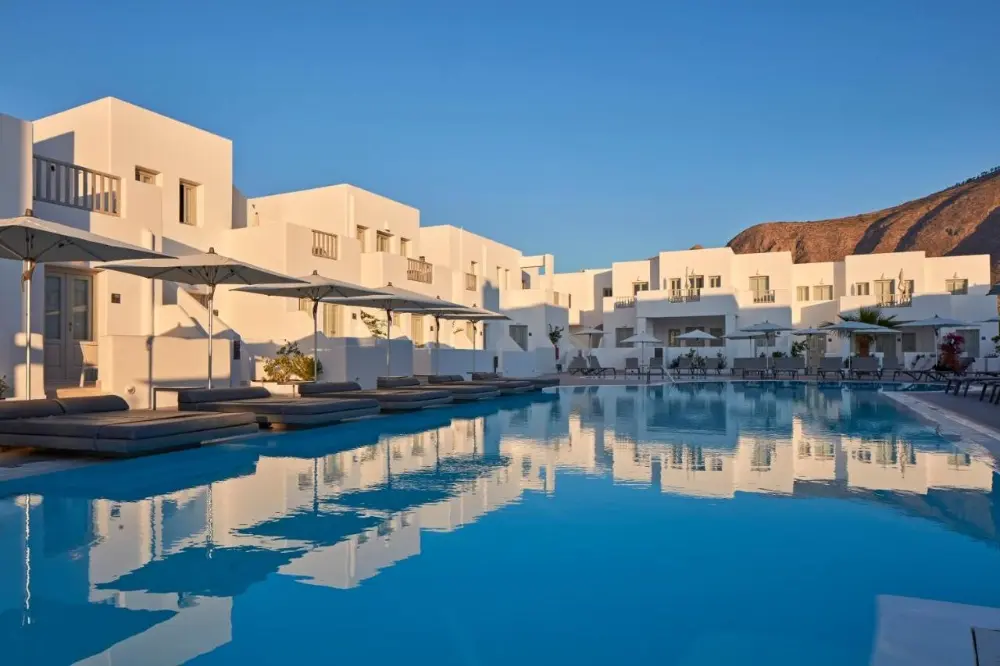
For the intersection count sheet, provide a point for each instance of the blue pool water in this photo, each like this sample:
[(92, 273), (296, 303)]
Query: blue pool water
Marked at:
[(697, 524)]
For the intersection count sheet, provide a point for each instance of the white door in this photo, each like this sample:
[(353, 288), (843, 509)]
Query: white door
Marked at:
[(70, 346)]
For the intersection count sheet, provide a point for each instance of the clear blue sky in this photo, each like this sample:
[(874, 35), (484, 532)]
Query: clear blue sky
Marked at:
[(598, 131)]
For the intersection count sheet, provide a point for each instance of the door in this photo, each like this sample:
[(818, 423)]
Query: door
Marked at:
[(70, 347), (885, 292)]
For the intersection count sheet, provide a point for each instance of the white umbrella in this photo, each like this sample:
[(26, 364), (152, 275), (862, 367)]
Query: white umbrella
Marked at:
[(34, 241), (697, 335), (810, 331), (643, 339), (746, 336), (935, 322), (209, 269), (315, 288), (589, 332), (472, 315), (767, 328), (393, 299)]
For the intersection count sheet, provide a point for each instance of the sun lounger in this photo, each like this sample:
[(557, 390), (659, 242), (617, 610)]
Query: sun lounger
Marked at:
[(632, 365), (830, 365), (104, 424), (864, 366), (684, 365), (890, 367), (750, 366), (577, 366), (923, 368), (460, 389), (791, 366), (273, 409), (506, 385), (537, 382), (656, 365), (388, 399), (712, 364), (597, 369)]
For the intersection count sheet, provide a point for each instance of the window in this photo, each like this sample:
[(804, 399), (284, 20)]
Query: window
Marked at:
[(672, 335), (909, 342), (760, 287), (696, 282), (361, 233), (717, 332), (404, 247), (823, 292), (474, 267), (499, 275), (506, 277), (147, 176), (956, 286), (519, 334), (802, 293), (715, 281), (606, 292), (569, 300), (639, 286), (328, 316), (623, 333), (188, 203), (324, 245), (675, 284), (861, 289), (382, 241)]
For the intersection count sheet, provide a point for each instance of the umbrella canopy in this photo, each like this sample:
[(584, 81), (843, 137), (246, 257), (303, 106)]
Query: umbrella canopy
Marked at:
[(317, 528), (209, 269), (810, 331), (991, 320), (393, 299), (851, 327), (934, 322), (315, 288), (743, 336), (765, 327), (697, 335), (588, 331), (36, 241), (643, 339)]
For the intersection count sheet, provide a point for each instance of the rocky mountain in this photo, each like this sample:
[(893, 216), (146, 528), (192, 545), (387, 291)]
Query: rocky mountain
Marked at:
[(963, 219)]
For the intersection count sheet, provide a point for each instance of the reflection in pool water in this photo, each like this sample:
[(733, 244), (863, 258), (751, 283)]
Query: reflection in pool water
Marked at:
[(707, 524)]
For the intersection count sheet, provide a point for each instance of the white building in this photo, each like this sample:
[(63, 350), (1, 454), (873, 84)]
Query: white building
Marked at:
[(131, 174), (720, 292)]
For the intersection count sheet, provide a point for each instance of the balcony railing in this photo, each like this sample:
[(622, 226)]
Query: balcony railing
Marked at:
[(624, 302), (324, 245), (684, 295), (471, 281), (893, 301), (763, 296), (419, 271), (75, 186)]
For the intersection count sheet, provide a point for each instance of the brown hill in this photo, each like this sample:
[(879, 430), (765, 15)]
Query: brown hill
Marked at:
[(964, 219)]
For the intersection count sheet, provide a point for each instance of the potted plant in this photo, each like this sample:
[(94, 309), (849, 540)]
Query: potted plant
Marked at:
[(4, 387), (555, 335), (722, 360), (291, 363)]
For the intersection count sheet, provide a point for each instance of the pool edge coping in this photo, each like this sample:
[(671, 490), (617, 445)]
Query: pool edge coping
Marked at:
[(948, 422)]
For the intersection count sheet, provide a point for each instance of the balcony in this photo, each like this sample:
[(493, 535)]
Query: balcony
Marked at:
[(419, 271), (763, 296), (893, 301), (684, 295), (471, 281), (324, 245), (66, 184), (623, 302)]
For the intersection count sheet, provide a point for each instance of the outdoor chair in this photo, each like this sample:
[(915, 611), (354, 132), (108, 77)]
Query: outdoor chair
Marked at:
[(632, 365), (830, 365), (656, 365), (595, 368), (791, 366), (577, 366), (864, 366)]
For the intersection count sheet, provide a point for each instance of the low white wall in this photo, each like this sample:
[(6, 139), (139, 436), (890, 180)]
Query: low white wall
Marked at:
[(518, 363), (126, 368), (451, 361)]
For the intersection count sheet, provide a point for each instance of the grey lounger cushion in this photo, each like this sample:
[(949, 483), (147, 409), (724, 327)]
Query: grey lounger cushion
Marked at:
[(26, 409), (388, 399), (268, 409), (537, 382)]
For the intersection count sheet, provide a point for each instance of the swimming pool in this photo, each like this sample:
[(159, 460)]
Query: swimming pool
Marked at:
[(690, 524)]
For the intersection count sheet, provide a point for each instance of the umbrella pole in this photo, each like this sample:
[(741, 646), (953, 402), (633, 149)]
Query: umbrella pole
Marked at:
[(437, 343), (388, 342), (211, 324), (29, 270), (315, 341), (475, 332)]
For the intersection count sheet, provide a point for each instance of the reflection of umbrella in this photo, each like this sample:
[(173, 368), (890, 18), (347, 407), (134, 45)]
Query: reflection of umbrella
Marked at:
[(208, 269), (60, 633), (205, 571), (34, 241), (643, 339), (322, 528), (315, 288), (393, 299)]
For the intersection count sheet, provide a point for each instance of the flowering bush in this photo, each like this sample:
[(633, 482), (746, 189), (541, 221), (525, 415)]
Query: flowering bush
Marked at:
[(951, 347)]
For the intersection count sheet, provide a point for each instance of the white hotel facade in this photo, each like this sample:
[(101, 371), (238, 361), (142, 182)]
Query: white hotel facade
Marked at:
[(131, 174)]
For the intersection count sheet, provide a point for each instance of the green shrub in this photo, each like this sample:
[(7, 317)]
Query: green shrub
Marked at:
[(290, 363)]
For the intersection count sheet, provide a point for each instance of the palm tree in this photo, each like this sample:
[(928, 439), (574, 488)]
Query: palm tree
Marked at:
[(867, 315)]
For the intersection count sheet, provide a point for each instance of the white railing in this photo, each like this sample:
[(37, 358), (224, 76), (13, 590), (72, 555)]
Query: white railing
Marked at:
[(624, 302), (75, 186), (419, 271), (324, 245)]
